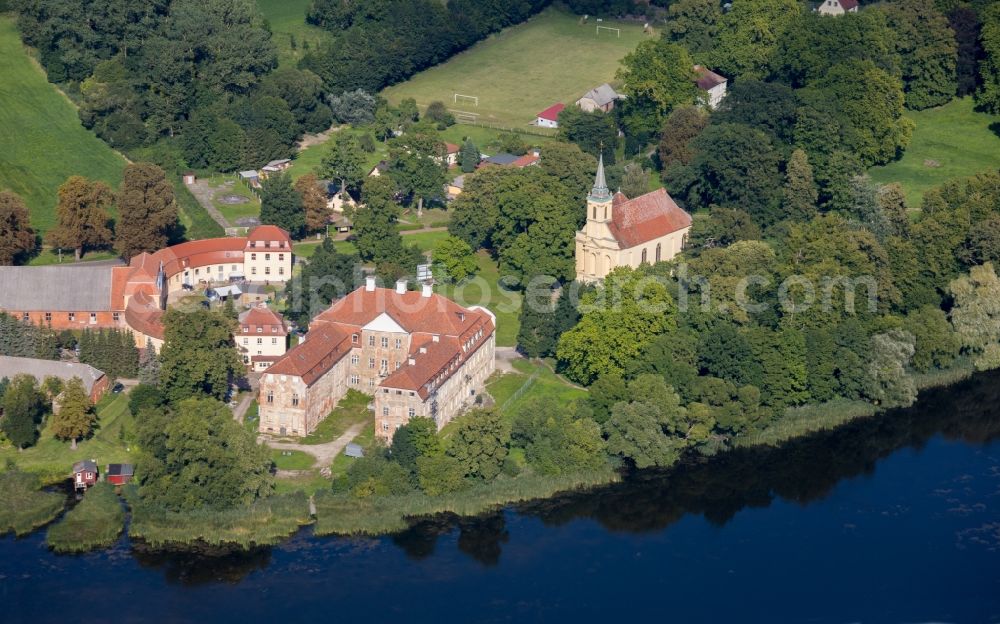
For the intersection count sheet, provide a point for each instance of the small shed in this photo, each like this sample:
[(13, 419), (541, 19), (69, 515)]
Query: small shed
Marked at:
[(84, 474), (189, 178), (223, 293), (250, 178), (354, 450), (119, 474), (549, 118)]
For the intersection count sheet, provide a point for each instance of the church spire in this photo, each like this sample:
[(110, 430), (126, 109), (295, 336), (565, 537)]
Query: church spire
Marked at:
[(600, 191)]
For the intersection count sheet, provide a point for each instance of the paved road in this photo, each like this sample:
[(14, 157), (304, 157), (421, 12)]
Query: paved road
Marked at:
[(203, 192), (240, 411), (324, 453)]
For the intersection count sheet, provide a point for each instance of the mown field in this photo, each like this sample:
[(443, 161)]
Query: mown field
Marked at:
[(290, 33), (524, 69), (949, 141), (42, 142)]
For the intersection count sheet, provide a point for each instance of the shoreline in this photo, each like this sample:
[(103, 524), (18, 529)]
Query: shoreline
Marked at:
[(276, 519)]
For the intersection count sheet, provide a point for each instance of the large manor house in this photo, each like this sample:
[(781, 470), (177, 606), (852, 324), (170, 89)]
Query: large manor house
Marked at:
[(415, 352)]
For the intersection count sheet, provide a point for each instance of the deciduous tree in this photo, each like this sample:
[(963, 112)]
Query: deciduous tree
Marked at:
[(82, 216), (23, 407), (480, 443), (313, 202), (76, 415), (281, 205), (16, 236), (147, 213), (198, 357)]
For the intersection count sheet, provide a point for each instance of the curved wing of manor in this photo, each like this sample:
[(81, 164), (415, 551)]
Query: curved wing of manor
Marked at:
[(134, 297), (418, 353)]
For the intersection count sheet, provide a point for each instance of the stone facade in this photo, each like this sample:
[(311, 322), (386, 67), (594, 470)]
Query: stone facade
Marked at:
[(416, 353)]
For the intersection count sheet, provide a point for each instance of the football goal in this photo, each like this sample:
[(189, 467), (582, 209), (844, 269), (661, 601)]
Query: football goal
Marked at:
[(467, 98), (617, 31), (464, 116)]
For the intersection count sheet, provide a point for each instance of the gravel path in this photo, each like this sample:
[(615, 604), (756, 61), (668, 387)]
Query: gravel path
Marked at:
[(324, 453), (203, 192)]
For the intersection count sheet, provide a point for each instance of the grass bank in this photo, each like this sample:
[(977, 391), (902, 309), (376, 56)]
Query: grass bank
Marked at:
[(42, 142), (94, 523), (266, 522), (343, 514), (52, 459), (23, 507), (950, 141), (483, 290)]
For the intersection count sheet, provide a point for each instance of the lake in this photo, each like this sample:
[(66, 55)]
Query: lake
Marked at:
[(890, 519)]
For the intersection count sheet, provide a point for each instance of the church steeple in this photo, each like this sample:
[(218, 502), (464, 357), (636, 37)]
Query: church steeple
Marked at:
[(600, 192)]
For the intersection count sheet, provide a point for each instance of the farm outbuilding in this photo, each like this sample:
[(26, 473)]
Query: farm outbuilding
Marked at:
[(84, 474), (119, 474)]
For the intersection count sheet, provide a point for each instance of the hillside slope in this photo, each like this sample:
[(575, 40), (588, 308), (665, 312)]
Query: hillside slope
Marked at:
[(42, 142)]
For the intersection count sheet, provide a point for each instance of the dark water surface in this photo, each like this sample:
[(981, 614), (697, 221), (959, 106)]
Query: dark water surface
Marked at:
[(894, 519)]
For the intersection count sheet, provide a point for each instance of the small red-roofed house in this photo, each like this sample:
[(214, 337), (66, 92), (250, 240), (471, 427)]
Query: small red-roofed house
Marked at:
[(261, 337), (549, 118)]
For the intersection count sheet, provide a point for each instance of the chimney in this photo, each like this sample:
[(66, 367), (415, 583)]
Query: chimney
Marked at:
[(426, 290), (400, 286), (435, 338), (423, 349), (370, 283), (411, 362)]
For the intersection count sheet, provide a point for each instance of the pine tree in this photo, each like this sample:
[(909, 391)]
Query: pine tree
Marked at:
[(280, 205), (800, 194), (149, 365), (469, 156), (76, 415), (23, 406)]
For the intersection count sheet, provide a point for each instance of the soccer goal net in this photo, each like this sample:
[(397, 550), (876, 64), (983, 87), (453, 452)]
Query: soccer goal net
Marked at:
[(617, 31), (467, 98)]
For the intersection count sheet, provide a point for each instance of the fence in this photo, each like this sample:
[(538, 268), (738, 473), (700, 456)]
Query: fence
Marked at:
[(503, 128)]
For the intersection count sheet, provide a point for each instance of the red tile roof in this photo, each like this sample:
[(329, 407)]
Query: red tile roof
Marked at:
[(452, 148), (645, 218), (310, 360), (525, 161), (269, 233), (552, 113), (847, 5), (411, 310), (708, 78), (144, 315), (261, 316)]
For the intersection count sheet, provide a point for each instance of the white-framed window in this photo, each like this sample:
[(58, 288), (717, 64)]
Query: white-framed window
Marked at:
[(385, 342), (72, 316), (371, 383), (260, 341), (354, 359), (371, 362), (267, 270), (246, 341), (399, 343), (274, 341), (270, 396), (385, 426), (295, 400), (354, 380), (411, 412), (371, 341), (267, 257), (385, 411)]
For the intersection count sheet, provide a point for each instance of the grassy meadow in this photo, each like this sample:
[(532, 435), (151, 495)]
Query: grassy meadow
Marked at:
[(526, 68), (291, 35), (42, 142), (949, 141), (96, 522)]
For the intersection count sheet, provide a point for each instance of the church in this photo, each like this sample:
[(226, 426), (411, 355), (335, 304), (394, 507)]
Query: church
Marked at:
[(627, 232)]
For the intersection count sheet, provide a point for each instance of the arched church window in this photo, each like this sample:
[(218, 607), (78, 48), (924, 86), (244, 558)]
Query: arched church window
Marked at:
[(644, 256), (658, 246)]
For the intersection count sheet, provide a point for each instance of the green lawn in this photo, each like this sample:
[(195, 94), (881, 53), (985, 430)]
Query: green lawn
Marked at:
[(957, 138), (351, 410), (53, 459), (526, 68), (366, 439), (232, 212), (483, 290), (287, 19), (42, 142), (292, 460)]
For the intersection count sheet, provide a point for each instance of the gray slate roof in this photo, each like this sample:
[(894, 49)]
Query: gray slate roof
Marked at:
[(87, 465), (602, 95), (59, 288), (40, 369), (503, 158)]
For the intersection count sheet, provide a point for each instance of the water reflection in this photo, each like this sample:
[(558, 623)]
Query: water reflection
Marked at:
[(718, 488), (802, 471)]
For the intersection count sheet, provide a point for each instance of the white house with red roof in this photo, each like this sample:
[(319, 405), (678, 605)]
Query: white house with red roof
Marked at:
[(549, 118), (418, 353), (261, 337), (627, 232), (837, 7)]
